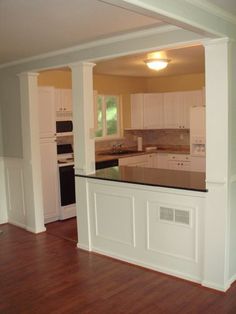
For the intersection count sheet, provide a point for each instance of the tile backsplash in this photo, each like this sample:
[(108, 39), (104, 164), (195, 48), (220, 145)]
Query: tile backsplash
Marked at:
[(150, 137)]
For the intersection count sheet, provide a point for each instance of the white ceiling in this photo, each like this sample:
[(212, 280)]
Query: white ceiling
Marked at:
[(32, 27), (183, 61), (226, 5)]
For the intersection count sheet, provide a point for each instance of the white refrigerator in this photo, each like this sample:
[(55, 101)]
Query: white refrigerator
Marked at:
[(198, 138)]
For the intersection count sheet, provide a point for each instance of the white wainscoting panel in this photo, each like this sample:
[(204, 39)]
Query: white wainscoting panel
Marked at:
[(3, 196), (129, 222), (114, 217), (15, 191), (168, 237)]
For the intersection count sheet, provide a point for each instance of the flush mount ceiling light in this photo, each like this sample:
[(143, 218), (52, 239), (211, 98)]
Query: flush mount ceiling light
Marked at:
[(157, 64)]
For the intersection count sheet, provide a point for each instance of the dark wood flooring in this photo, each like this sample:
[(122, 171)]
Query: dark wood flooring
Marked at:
[(45, 274), (65, 229)]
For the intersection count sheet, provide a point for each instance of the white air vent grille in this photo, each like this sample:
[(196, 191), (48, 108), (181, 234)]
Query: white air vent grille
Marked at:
[(174, 215), (166, 213), (182, 216)]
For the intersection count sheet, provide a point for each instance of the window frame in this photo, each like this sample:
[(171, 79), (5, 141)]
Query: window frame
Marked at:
[(104, 121)]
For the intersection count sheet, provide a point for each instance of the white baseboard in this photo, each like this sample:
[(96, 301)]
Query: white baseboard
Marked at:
[(3, 196), (17, 223), (149, 266), (216, 286), (83, 247), (34, 230), (50, 219), (68, 211)]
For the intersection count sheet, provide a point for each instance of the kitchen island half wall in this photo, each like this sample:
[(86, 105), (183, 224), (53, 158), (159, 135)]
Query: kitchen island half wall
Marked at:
[(160, 228)]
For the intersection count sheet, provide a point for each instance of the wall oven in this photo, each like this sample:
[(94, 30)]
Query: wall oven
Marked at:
[(64, 127), (66, 181)]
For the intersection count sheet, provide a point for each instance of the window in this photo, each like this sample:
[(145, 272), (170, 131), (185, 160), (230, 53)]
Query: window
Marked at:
[(108, 122)]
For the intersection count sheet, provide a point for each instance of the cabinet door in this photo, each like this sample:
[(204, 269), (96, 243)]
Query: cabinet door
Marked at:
[(172, 110), (66, 99), (49, 179), (141, 160), (58, 104), (137, 111), (179, 165), (46, 111), (153, 111), (190, 99), (198, 164), (162, 161)]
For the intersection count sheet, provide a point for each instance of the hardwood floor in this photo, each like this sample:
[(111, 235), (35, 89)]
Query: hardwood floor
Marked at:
[(47, 274), (66, 229)]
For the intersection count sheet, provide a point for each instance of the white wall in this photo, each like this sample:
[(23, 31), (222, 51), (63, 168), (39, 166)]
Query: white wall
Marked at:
[(232, 161)]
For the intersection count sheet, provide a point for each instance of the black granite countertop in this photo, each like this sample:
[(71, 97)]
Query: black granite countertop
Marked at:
[(176, 179)]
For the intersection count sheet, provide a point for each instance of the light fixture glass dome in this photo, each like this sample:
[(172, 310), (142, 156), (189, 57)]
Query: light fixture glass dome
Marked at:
[(157, 64)]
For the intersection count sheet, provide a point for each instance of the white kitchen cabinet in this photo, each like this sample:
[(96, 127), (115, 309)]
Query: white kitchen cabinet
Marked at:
[(153, 111), (63, 100), (179, 162), (49, 173), (146, 160), (172, 110), (198, 163), (134, 161), (164, 110), (162, 160), (190, 99), (147, 111), (46, 112), (137, 111), (177, 108)]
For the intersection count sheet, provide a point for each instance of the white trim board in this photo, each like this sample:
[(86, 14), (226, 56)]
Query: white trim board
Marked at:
[(3, 197)]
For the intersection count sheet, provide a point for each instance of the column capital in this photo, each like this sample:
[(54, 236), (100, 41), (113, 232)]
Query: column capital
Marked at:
[(28, 74), (81, 64), (216, 41)]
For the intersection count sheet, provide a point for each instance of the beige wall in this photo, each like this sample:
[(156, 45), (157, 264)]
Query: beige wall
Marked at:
[(125, 85), (57, 78), (175, 83)]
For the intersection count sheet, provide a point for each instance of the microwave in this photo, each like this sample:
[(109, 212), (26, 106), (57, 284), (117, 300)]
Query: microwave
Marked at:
[(64, 126)]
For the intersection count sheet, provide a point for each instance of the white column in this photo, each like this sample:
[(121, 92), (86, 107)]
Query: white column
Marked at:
[(216, 233), (31, 152), (83, 117), (84, 145)]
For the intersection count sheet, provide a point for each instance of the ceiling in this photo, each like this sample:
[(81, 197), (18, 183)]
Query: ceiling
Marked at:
[(226, 5), (30, 27), (182, 61)]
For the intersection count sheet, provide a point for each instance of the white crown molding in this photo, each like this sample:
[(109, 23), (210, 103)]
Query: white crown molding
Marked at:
[(99, 42), (213, 9)]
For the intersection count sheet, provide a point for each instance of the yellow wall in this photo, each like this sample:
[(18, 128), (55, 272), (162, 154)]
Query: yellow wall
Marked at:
[(56, 78), (175, 83)]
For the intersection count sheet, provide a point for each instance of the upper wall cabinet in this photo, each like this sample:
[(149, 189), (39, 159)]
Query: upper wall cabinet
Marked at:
[(63, 100), (137, 111), (46, 111), (147, 111), (163, 110), (153, 111)]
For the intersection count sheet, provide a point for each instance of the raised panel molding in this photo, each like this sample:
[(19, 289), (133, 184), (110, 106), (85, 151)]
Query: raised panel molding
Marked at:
[(15, 191), (119, 225), (171, 232)]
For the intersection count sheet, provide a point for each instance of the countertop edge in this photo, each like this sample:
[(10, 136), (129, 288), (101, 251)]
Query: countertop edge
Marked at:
[(141, 183)]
